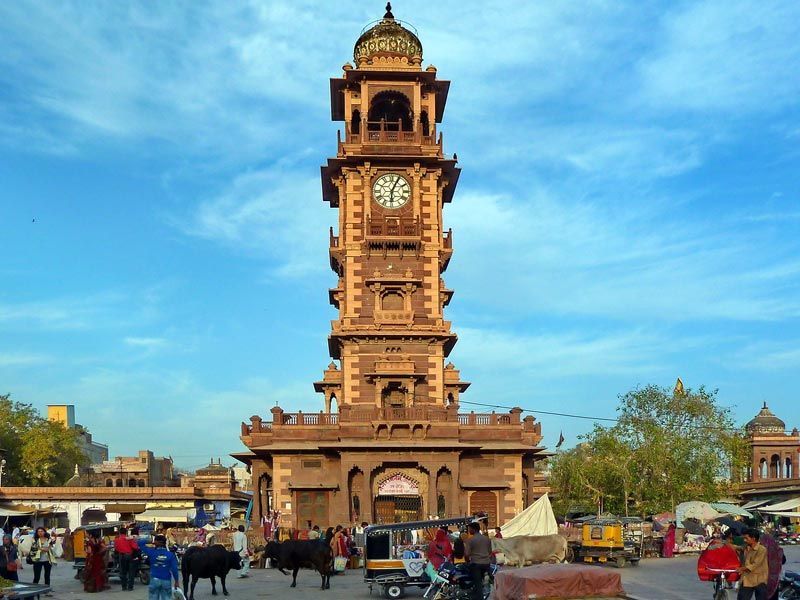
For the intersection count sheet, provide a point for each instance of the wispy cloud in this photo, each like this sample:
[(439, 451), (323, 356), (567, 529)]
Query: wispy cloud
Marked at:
[(273, 213), (150, 343), (22, 360), (579, 258), (736, 56)]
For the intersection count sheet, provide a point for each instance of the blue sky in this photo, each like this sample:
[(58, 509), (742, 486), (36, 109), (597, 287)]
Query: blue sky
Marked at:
[(628, 211)]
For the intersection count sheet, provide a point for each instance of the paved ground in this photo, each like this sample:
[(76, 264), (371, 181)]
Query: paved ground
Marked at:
[(654, 579)]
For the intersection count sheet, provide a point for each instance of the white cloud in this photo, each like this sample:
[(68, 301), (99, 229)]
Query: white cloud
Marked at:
[(558, 353), (579, 258), (726, 55), (150, 343), (22, 360), (275, 213)]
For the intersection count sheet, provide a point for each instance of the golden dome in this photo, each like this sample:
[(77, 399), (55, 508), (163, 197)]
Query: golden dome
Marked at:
[(388, 39)]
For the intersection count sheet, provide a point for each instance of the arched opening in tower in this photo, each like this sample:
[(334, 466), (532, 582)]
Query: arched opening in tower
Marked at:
[(393, 109)]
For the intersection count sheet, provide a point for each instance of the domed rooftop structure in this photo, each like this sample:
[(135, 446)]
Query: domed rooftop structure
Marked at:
[(765, 422), (388, 42)]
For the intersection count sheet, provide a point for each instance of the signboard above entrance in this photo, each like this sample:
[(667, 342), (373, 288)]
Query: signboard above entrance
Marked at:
[(398, 485)]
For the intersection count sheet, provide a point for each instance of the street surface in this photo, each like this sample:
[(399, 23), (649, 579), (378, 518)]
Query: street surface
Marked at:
[(654, 579)]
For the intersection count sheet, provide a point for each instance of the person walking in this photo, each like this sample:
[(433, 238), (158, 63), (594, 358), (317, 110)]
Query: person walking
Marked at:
[(95, 578), (163, 568), (478, 552), (124, 547), (755, 570), (9, 559), (240, 546), (314, 533), (42, 555)]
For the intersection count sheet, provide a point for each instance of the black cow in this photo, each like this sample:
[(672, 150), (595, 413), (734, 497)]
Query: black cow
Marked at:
[(205, 563), (293, 554)]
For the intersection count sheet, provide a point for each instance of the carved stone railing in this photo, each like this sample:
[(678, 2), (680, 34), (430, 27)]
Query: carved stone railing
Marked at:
[(393, 227), (370, 414)]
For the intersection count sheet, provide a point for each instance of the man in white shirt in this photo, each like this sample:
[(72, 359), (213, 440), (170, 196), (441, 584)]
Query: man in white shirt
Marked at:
[(240, 546)]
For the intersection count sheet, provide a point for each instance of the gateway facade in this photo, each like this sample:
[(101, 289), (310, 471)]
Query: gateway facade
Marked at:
[(390, 443)]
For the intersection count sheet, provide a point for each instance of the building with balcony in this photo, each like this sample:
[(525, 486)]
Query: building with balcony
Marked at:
[(391, 442), (774, 456)]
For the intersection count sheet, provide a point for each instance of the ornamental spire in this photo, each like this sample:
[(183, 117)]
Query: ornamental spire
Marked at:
[(388, 14)]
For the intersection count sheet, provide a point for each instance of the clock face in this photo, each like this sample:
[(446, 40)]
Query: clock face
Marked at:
[(391, 190)]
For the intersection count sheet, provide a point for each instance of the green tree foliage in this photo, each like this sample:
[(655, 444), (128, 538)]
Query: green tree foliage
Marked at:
[(666, 447), (37, 451)]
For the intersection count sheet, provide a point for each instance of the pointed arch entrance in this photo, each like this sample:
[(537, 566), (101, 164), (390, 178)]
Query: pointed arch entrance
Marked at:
[(398, 496)]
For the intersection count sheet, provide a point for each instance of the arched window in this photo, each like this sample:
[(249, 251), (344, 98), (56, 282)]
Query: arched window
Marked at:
[(391, 107), (441, 506), (355, 122), (426, 125), (788, 472), (450, 399), (131, 483), (763, 470), (141, 483), (109, 483), (119, 482), (775, 466)]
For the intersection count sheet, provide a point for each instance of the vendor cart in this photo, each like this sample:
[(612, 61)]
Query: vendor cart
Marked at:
[(395, 554)]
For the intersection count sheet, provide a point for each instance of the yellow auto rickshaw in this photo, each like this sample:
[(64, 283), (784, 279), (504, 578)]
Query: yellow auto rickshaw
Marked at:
[(602, 540)]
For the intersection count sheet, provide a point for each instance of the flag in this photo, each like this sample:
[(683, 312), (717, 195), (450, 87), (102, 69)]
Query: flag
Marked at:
[(560, 440)]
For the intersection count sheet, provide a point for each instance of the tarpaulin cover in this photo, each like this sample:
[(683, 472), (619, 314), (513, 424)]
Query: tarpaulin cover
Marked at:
[(702, 511), (781, 506), (537, 519), (557, 581), (714, 560), (754, 503), (731, 509)]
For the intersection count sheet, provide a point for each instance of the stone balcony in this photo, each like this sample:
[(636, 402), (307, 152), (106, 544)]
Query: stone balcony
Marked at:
[(368, 415)]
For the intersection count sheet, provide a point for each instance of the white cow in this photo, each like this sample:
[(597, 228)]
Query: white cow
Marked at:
[(531, 549)]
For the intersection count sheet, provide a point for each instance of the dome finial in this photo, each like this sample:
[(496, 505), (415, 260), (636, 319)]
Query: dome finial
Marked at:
[(388, 14), (765, 404)]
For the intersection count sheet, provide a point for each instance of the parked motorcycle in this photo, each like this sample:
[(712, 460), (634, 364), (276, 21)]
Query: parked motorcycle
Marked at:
[(789, 586), (454, 582)]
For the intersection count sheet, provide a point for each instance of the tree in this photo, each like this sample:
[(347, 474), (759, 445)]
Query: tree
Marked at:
[(666, 447), (37, 451)]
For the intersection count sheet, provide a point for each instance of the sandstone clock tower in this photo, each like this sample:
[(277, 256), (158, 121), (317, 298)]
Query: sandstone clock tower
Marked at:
[(390, 182), (391, 444)]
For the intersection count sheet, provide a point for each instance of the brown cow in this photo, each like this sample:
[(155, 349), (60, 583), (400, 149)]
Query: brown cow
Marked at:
[(524, 549)]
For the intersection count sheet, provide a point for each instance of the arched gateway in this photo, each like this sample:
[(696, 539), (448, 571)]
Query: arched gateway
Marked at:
[(390, 443)]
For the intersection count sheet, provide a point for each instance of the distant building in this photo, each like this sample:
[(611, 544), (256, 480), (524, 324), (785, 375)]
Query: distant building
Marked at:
[(143, 470), (65, 414), (243, 478), (774, 457)]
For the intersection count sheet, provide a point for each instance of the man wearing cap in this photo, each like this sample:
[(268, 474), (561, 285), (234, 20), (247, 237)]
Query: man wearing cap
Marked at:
[(163, 568)]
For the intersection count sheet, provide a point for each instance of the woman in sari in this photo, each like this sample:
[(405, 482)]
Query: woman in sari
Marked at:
[(669, 542), (94, 573), (775, 560)]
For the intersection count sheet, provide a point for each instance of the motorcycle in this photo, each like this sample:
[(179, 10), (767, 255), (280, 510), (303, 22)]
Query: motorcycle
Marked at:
[(454, 582), (789, 586)]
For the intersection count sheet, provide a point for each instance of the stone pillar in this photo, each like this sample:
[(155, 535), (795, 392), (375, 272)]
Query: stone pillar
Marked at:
[(432, 496)]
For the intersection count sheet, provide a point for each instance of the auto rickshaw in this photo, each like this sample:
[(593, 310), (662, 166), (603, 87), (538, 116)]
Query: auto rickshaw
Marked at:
[(395, 554), (603, 541), (106, 530)]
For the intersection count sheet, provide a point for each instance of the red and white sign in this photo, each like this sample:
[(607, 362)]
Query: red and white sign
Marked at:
[(398, 485)]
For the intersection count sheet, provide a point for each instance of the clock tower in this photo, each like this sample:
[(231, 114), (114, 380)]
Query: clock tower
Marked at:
[(390, 182), (391, 444)]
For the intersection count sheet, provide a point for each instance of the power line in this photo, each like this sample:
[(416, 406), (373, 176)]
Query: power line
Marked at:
[(543, 412)]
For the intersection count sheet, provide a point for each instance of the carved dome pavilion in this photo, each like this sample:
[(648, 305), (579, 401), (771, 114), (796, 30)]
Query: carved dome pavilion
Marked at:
[(765, 422), (388, 41)]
